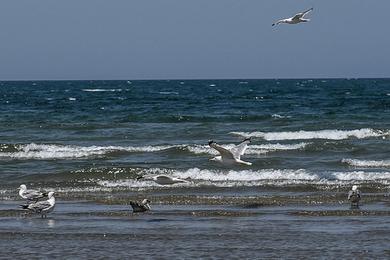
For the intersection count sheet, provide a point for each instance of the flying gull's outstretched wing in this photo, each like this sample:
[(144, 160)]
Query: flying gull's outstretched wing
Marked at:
[(241, 148)]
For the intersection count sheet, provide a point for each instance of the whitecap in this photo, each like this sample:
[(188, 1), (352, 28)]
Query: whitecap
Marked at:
[(168, 93), (361, 176), (321, 134), (252, 149), (277, 116), (102, 90), (367, 163), (54, 151)]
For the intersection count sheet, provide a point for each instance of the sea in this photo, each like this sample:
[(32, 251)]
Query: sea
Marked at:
[(89, 141)]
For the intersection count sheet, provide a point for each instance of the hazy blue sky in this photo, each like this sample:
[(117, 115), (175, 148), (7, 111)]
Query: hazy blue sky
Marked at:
[(126, 39)]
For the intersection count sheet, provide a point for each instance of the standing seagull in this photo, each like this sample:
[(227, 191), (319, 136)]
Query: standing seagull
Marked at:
[(354, 197), (140, 207), (30, 195), (42, 207), (232, 156), (298, 18), (161, 179)]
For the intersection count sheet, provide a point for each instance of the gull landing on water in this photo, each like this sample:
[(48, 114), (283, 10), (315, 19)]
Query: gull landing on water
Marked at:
[(298, 18), (161, 179), (232, 156)]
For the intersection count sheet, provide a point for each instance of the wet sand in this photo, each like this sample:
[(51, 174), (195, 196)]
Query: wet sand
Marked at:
[(90, 229)]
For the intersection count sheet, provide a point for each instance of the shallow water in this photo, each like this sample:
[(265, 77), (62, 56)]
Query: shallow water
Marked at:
[(94, 230)]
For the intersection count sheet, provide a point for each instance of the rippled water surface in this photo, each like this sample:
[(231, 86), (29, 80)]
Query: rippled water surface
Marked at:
[(90, 140)]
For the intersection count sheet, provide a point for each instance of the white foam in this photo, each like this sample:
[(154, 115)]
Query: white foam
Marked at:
[(56, 151), (361, 176), (322, 134), (101, 90), (197, 177), (277, 116), (168, 93), (52, 151), (252, 149), (245, 175), (231, 178), (367, 163)]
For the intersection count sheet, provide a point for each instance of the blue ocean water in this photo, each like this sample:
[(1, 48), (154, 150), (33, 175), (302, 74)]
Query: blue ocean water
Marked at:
[(103, 134)]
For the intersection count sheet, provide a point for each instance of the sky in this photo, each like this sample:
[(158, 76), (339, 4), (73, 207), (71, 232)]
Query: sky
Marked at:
[(192, 39)]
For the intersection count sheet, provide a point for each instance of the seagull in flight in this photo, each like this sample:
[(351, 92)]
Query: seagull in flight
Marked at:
[(232, 156), (30, 195), (161, 179), (140, 207), (42, 207), (298, 18)]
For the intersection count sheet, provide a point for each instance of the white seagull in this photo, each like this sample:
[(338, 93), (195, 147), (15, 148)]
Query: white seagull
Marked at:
[(298, 18), (161, 179), (31, 195), (42, 207), (140, 207), (232, 156)]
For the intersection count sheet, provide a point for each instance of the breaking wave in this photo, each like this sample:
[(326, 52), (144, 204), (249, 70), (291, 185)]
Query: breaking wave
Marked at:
[(101, 90), (366, 163), (252, 149), (199, 177), (321, 134), (56, 151), (52, 151)]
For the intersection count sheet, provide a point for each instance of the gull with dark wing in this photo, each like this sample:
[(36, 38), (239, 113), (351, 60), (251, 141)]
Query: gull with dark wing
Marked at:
[(42, 207), (298, 18), (31, 195), (354, 197), (140, 207), (161, 179), (232, 156)]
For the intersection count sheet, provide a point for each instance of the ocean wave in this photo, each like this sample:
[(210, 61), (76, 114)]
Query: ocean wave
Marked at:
[(52, 151), (252, 149), (244, 175), (168, 93), (366, 163), (55, 151), (361, 176), (102, 90), (277, 116), (321, 134), (203, 177), (198, 177)]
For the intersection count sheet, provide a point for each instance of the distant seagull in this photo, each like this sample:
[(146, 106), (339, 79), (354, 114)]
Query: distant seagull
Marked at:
[(232, 156), (42, 207), (298, 18), (31, 195), (162, 179), (354, 197), (140, 207)]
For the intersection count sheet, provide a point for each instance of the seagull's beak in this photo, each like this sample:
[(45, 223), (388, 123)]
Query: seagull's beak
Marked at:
[(18, 188)]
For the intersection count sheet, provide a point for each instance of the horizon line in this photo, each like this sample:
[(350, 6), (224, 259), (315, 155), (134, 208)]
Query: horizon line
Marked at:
[(193, 79)]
